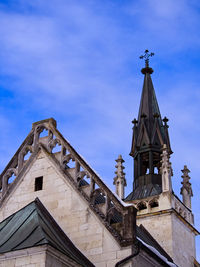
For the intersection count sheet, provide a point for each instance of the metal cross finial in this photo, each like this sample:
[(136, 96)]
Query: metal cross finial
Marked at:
[(146, 56)]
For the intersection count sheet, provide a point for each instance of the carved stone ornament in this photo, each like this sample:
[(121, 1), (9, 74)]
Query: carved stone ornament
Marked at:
[(186, 189), (166, 170), (119, 180)]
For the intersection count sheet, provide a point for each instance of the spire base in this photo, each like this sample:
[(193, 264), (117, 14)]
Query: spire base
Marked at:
[(147, 70)]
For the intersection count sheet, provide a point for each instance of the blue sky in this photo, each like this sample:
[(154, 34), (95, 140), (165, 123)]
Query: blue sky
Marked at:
[(78, 61)]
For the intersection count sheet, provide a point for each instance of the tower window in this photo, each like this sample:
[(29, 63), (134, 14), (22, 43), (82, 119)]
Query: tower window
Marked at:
[(154, 204), (142, 206), (38, 183)]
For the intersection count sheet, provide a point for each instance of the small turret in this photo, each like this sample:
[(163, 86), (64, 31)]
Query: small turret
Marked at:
[(186, 189), (119, 180), (166, 170)]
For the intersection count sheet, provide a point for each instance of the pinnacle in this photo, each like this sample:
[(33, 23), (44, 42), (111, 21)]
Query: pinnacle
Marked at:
[(186, 178), (119, 169)]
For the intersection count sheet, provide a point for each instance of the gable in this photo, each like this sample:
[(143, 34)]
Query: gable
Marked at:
[(99, 220), (143, 137), (157, 138)]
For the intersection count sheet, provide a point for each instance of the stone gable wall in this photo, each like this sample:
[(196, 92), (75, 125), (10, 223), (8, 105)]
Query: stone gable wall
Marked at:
[(70, 211)]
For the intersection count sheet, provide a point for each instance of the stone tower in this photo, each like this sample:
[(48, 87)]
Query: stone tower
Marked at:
[(168, 219)]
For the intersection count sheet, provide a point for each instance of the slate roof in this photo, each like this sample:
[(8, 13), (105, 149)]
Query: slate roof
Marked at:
[(144, 191), (34, 226), (148, 104), (149, 107)]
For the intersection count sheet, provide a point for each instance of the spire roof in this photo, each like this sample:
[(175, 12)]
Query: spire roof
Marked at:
[(148, 105), (149, 128)]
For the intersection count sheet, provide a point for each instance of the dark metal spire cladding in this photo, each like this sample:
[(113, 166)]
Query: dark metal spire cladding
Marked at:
[(149, 136)]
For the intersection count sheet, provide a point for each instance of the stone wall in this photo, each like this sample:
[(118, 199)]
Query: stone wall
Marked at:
[(160, 227), (172, 233), (183, 243), (171, 224), (40, 256), (33, 257)]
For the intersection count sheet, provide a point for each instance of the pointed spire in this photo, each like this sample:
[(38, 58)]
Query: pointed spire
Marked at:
[(150, 133), (166, 170), (186, 189), (149, 128), (119, 180), (149, 108), (148, 104)]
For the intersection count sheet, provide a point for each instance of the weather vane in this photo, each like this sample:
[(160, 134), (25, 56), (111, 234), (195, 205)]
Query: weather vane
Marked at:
[(146, 56)]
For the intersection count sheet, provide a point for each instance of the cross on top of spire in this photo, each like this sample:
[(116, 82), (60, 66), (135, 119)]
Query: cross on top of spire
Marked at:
[(146, 56)]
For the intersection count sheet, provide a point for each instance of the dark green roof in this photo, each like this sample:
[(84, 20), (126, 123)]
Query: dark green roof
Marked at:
[(33, 226)]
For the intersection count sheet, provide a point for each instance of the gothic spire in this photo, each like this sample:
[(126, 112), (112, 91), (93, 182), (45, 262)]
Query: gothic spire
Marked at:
[(149, 128), (150, 133)]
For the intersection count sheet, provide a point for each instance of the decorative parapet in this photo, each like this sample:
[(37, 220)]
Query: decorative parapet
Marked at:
[(118, 217), (182, 209), (119, 180)]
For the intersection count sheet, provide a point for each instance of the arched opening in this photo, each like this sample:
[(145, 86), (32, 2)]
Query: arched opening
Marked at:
[(154, 203), (142, 206), (57, 148), (11, 179), (68, 162), (27, 155), (44, 133)]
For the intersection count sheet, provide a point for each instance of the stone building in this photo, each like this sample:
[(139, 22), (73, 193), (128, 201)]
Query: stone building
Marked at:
[(56, 211)]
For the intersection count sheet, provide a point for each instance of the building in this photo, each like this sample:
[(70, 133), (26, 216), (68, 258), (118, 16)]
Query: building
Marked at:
[(56, 211)]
